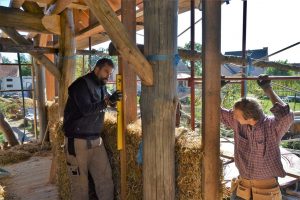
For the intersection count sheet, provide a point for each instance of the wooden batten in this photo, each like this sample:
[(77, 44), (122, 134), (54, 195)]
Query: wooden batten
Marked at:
[(119, 36)]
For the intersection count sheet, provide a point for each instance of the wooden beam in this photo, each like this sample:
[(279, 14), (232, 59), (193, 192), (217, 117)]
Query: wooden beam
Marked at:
[(51, 23), (79, 6), (7, 131), (58, 7), (16, 3), (6, 46), (120, 38), (20, 20), (236, 60), (17, 38), (211, 165), (158, 103)]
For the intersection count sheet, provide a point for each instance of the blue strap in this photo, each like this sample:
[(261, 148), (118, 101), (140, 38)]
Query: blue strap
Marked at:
[(156, 57), (139, 157)]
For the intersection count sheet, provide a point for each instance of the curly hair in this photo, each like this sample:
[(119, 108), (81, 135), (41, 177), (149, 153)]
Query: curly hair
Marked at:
[(250, 107)]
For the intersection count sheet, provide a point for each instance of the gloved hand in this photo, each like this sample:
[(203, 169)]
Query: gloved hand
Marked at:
[(263, 81), (223, 82), (116, 96)]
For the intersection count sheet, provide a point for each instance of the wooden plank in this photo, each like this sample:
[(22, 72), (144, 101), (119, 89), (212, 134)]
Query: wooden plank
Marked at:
[(158, 103), (211, 26), (17, 38), (120, 38)]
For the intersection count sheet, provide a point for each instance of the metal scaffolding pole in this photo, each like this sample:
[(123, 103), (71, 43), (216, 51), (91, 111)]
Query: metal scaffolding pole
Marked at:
[(192, 83), (244, 39)]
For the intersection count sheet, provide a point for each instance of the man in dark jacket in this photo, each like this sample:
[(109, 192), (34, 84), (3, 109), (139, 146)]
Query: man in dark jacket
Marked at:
[(83, 123)]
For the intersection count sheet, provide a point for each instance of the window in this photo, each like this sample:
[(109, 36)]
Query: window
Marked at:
[(9, 80), (9, 86)]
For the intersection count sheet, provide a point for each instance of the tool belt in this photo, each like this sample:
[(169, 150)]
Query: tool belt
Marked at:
[(265, 189)]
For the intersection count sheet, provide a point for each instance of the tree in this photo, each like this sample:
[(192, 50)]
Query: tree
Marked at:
[(5, 60), (198, 64), (25, 69), (278, 72)]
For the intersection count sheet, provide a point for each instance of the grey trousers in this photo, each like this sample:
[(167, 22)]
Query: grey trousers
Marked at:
[(90, 157)]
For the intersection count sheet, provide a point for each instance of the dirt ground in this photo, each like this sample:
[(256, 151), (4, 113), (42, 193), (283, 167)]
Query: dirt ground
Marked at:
[(29, 180)]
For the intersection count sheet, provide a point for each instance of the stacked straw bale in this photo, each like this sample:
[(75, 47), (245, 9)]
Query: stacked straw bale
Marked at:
[(187, 155), (57, 142), (188, 159)]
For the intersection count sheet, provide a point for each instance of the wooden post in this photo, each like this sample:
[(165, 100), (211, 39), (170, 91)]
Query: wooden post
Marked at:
[(67, 59), (40, 93), (34, 98), (158, 103), (211, 84), (129, 85), (7, 131)]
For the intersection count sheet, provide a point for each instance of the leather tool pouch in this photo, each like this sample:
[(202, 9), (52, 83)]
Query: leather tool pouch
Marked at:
[(243, 192), (266, 194)]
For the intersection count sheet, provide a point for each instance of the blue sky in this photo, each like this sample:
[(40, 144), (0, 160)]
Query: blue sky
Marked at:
[(270, 23)]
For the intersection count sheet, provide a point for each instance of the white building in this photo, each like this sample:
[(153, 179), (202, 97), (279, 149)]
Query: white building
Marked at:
[(14, 83)]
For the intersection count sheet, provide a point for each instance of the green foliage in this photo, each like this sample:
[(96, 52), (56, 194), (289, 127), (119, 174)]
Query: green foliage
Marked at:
[(291, 145), (8, 109), (277, 72), (198, 64), (25, 69), (84, 65), (5, 60)]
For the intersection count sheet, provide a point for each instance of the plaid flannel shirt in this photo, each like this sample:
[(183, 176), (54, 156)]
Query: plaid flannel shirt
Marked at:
[(256, 149)]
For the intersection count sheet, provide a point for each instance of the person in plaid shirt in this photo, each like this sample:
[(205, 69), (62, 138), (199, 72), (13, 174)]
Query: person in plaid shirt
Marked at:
[(257, 138)]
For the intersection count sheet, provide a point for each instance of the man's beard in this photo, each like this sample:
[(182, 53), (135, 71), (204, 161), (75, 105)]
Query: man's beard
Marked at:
[(101, 81)]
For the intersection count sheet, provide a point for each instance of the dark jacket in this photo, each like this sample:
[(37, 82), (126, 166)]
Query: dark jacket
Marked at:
[(84, 111)]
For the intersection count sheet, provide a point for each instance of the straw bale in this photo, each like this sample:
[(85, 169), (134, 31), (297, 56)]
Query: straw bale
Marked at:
[(53, 118), (62, 177), (13, 156), (2, 193), (188, 160), (32, 148)]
